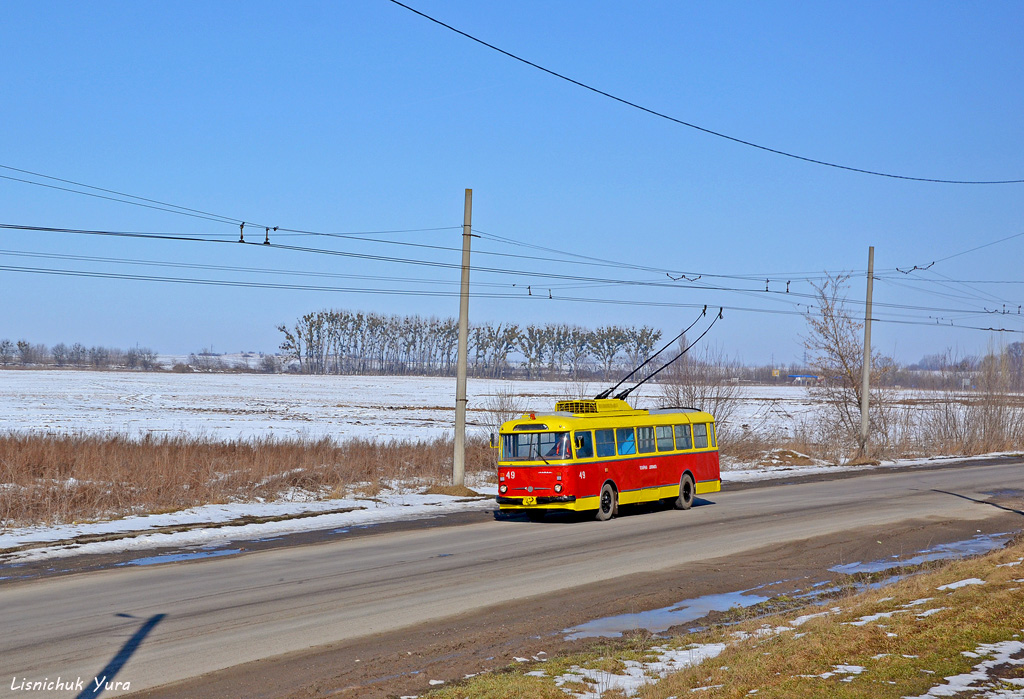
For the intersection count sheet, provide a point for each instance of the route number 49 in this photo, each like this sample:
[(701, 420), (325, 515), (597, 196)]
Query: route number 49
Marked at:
[(583, 475)]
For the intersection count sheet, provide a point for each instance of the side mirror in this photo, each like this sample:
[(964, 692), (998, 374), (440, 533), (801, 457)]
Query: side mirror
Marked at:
[(494, 441)]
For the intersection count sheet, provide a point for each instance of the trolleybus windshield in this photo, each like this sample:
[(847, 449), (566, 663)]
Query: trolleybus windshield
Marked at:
[(535, 446)]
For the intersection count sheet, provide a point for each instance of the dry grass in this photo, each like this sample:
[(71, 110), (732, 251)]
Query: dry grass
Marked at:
[(949, 423), (46, 479), (502, 686), (925, 635), (902, 654)]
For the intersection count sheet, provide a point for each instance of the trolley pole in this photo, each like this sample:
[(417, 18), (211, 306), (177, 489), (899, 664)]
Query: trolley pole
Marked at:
[(865, 386), (459, 458)]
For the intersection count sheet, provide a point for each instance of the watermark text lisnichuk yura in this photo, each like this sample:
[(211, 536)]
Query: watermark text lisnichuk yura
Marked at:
[(98, 684)]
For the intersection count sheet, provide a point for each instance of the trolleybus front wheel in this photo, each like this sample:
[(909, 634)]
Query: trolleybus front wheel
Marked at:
[(606, 508), (686, 493)]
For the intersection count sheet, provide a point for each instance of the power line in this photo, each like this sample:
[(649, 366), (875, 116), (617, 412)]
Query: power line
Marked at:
[(970, 281), (237, 269), (439, 294), (184, 209), (101, 196), (429, 263), (958, 254), (158, 205), (690, 125), (358, 235), (573, 257), (604, 262), (777, 295), (952, 294), (994, 242)]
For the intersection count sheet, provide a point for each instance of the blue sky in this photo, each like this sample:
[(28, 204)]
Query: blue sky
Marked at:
[(361, 116)]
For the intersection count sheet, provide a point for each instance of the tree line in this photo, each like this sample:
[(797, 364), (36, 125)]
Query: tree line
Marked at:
[(353, 342), (77, 355)]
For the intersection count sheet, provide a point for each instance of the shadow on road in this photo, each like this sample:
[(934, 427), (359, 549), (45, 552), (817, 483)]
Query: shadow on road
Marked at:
[(980, 502), (570, 517), (105, 678)]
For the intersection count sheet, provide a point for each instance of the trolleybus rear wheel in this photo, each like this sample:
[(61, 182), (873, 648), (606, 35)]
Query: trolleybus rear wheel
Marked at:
[(686, 493), (606, 507)]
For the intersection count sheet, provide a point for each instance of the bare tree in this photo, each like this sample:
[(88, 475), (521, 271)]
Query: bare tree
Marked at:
[(506, 404), (605, 344), (25, 355), (78, 354), (6, 352), (578, 352), (29, 353), (703, 382), (60, 353), (979, 411), (140, 358), (532, 343), (99, 357), (1015, 364), (293, 345), (479, 339), (502, 341), (640, 344), (558, 338), (834, 343)]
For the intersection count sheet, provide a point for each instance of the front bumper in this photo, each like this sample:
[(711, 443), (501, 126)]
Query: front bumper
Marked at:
[(532, 501)]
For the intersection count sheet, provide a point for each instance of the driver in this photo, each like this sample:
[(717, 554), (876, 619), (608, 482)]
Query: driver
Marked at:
[(560, 449)]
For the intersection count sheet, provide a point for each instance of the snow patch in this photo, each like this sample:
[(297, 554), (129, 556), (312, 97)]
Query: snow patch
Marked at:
[(961, 583), (138, 533), (637, 674), (978, 679)]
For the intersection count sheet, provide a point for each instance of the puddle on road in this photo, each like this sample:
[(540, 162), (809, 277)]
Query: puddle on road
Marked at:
[(346, 530), (658, 620), (1005, 493), (175, 557), (975, 546)]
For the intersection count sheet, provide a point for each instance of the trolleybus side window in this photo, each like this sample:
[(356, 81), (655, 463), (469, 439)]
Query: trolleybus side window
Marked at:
[(584, 444), (664, 434), (714, 441), (700, 436), (626, 440), (645, 440), (604, 440), (683, 437)]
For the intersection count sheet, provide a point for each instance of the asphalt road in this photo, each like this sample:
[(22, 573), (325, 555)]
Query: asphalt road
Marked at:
[(154, 625)]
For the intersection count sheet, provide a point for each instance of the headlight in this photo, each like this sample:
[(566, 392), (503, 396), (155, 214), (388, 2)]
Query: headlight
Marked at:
[(558, 487), (502, 488)]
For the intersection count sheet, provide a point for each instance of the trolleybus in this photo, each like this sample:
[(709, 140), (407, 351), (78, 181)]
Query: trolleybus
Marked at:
[(594, 455)]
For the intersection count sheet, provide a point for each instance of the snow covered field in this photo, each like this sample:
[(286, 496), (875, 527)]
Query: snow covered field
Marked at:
[(242, 406)]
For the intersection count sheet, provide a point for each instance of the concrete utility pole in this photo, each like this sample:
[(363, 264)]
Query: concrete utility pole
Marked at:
[(865, 386), (461, 366)]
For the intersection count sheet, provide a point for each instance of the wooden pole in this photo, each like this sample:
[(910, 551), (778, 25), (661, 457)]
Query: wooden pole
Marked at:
[(459, 458), (865, 386)]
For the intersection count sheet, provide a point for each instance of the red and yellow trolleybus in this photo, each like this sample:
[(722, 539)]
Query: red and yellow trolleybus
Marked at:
[(599, 454)]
